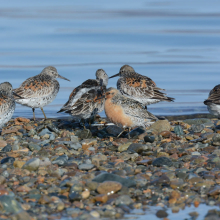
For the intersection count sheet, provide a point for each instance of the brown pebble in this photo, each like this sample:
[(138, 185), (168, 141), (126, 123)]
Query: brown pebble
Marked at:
[(101, 198), (109, 187)]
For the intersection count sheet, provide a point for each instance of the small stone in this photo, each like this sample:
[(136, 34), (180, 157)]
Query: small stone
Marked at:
[(109, 187), (114, 130), (76, 146), (85, 194), (8, 160), (178, 130), (101, 198), (95, 214), (34, 147), (2, 180), (75, 196), (18, 163), (85, 166), (84, 134), (44, 200), (124, 147), (215, 191), (86, 143), (162, 161), (2, 143), (216, 139), (137, 148), (9, 204), (161, 125), (21, 216), (7, 148), (161, 214), (197, 128), (32, 164), (123, 200), (149, 139), (113, 177), (61, 160)]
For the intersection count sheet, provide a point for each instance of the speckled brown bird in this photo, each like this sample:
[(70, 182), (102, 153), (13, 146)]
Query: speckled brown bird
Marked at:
[(138, 87), (213, 101), (126, 112), (39, 90), (84, 101)]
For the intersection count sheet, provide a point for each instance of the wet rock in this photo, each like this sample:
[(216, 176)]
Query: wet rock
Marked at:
[(114, 130), (124, 147), (216, 139), (84, 134), (9, 204), (109, 187), (75, 196), (32, 164), (7, 148), (75, 146), (197, 128), (137, 132), (61, 160), (34, 147), (137, 148), (2, 143), (178, 130), (161, 214), (162, 161), (112, 177), (159, 126), (53, 128), (123, 200), (8, 160), (198, 121), (215, 191), (85, 166), (149, 139)]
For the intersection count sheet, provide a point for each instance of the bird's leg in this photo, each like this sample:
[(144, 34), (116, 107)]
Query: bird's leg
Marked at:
[(121, 133), (33, 113), (44, 113), (129, 129)]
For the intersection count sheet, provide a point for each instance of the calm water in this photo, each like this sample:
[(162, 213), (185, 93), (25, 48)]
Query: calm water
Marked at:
[(176, 43)]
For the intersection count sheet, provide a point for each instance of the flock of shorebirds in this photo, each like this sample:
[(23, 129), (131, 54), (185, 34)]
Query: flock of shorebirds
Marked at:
[(125, 106)]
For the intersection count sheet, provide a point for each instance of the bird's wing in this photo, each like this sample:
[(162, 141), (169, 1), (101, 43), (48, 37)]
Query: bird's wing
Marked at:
[(37, 86), (86, 103), (142, 87), (136, 109), (5, 104), (78, 92), (214, 96)]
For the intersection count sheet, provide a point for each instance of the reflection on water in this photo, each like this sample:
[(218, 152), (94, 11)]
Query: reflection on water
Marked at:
[(184, 214), (176, 43)]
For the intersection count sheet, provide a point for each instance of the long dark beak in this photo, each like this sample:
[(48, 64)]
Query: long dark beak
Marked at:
[(15, 94), (114, 75), (61, 77)]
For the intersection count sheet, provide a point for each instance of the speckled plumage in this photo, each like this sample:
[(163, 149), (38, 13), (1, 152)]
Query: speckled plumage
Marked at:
[(7, 103), (126, 112), (138, 87), (84, 101), (213, 101), (39, 90)]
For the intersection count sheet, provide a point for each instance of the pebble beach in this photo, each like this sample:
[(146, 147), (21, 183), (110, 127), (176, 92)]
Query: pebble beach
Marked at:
[(56, 169)]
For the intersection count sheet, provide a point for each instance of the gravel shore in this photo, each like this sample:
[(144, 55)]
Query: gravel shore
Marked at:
[(56, 169)]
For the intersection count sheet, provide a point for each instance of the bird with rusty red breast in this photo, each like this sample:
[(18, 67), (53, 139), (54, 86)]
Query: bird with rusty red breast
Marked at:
[(39, 90), (126, 112), (138, 87)]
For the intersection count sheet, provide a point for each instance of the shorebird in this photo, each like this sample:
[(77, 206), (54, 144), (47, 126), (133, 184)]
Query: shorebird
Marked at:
[(84, 101), (138, 87), (126, 112), (39, 90), (7, 102), (213, 101)]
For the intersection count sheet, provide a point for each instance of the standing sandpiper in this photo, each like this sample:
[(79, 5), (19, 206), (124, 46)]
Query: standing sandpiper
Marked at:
[(138, 87), (39, 90)]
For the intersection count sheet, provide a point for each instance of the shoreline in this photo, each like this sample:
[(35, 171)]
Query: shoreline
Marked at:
[(55, 169)]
